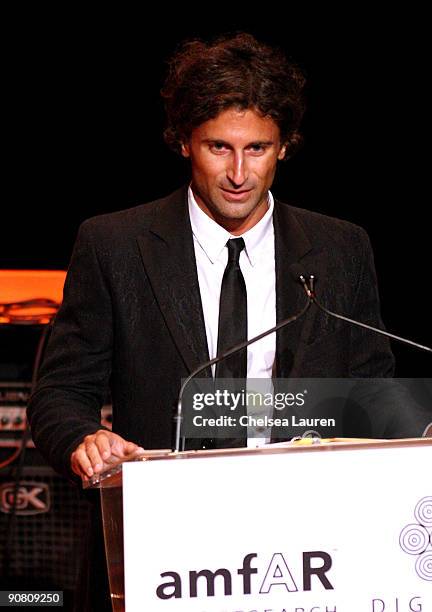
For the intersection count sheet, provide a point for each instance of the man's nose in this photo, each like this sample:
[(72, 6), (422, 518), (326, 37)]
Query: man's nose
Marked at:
[(237, 170)]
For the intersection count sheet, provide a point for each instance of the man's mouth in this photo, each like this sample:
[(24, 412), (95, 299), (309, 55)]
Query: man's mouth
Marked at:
[(237, 195)]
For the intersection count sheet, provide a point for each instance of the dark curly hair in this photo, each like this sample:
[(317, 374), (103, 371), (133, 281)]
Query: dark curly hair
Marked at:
[(237, 71)]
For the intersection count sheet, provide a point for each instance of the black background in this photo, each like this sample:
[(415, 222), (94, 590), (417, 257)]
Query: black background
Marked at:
[(83, 123)]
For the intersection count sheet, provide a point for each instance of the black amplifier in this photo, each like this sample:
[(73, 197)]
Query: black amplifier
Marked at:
[(44, 534)]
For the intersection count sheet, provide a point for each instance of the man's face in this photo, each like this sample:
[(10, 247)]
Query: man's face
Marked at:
[(234, 158)]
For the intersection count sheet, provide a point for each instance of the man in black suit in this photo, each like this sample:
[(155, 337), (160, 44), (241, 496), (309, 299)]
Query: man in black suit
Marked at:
[(142, 290)]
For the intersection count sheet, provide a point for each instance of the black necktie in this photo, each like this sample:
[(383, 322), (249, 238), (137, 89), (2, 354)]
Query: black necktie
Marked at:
[(232, 314), (232, 330)]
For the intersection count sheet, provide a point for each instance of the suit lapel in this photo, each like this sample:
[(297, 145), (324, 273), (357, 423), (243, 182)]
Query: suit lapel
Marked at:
[(292, 245), (168, 256)]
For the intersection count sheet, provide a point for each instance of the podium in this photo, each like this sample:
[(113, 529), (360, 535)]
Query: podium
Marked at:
[(341, 525)]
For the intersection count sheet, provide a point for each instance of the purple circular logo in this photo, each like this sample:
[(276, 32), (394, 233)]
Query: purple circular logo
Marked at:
[(416, 538)]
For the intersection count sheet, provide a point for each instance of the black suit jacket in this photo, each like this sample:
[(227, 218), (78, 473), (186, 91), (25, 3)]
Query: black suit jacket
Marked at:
[(132, 318)]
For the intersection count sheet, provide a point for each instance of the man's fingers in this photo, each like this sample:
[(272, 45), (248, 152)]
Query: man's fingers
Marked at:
[(136, 449), (89, 456), (104, 442), (80, 462), (99, 451), (123, 448), (94, 454), (110, 444)]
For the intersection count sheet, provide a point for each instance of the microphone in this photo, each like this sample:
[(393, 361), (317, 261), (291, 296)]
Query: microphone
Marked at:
[(300, 275), (295, 269)]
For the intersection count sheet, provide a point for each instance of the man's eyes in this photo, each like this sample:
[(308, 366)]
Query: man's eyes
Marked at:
[(222, 147)]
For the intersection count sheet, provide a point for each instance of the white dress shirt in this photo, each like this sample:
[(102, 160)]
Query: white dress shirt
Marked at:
[(257, 263)]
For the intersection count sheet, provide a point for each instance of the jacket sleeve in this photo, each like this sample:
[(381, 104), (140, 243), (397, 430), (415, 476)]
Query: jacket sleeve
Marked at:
[(74, 375)]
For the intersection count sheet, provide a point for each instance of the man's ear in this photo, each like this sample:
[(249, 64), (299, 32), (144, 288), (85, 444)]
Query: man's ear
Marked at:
[(185, 150), (282, 152)]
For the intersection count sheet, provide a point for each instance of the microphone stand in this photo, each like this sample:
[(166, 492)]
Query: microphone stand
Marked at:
[(178, 418), (310, 292)]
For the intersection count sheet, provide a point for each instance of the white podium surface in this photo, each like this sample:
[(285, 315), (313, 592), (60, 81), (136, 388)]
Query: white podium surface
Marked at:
[(349, 530)]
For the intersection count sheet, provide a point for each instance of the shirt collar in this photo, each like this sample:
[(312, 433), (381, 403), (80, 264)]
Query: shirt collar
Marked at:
[(212, 237)]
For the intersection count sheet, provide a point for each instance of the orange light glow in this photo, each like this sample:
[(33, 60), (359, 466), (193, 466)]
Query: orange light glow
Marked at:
[(30, 296)]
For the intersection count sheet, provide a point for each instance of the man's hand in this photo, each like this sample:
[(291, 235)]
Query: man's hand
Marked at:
[(99, 451)]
